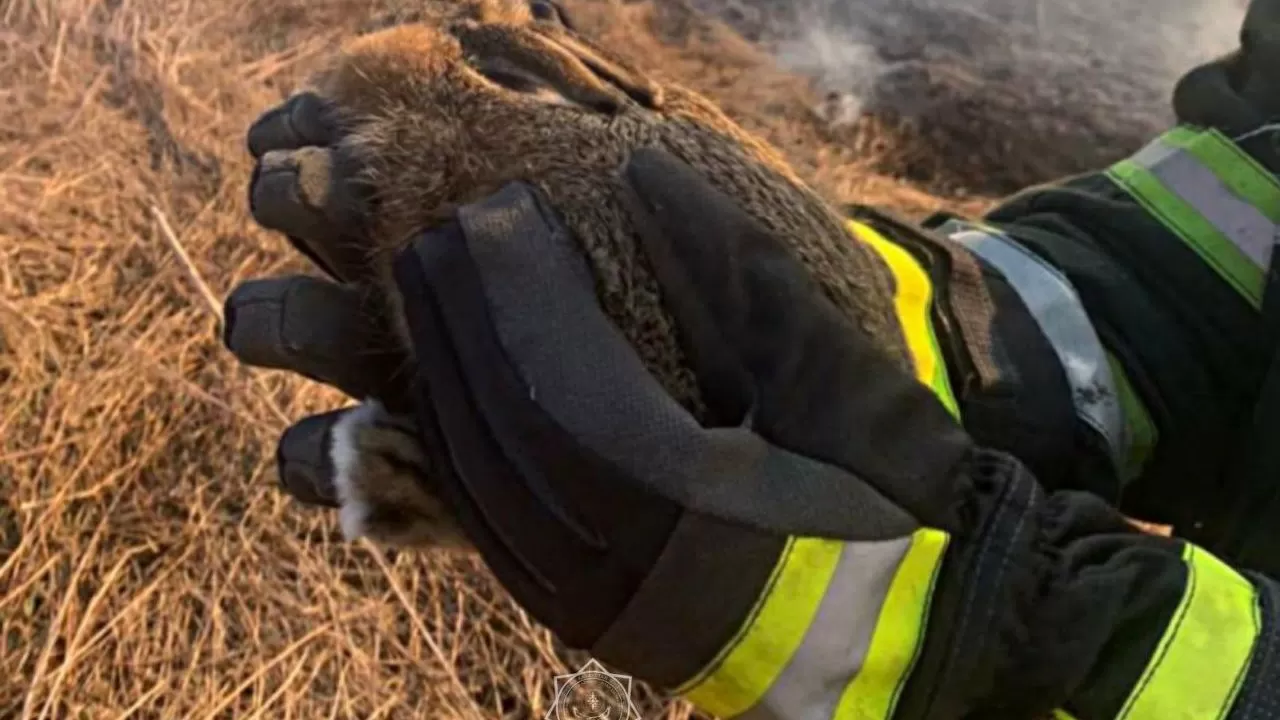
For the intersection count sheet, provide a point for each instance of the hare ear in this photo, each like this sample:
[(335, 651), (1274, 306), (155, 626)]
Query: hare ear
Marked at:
[(547, 61), (634, 83)]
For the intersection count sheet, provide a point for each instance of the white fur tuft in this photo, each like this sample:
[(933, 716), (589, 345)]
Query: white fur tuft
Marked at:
[(345, 454)]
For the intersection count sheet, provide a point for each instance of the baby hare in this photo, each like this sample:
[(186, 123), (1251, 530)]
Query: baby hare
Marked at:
[(410, 122)]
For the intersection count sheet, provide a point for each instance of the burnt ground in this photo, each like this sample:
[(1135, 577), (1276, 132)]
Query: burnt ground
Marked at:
[(989, 96)]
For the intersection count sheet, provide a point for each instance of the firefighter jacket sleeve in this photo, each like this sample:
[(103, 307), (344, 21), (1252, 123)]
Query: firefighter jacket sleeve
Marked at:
[(829, 543), (1169, 253)]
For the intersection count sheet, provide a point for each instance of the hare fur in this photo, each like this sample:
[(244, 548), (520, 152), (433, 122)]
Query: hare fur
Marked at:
[(446, 110)]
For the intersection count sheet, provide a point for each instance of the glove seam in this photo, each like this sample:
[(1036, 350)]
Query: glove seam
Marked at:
[(1003, 545)]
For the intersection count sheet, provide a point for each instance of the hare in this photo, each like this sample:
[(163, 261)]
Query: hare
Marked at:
[(412, 121)]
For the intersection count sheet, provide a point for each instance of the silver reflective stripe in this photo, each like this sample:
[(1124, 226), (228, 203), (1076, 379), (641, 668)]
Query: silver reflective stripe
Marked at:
[(1053, 302), (835, 647), (1185, 176)]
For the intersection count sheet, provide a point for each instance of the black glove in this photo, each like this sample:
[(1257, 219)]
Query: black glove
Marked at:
[(330, 330), (1239, 93), (611, 514), (832, 502), (572, 477), (815, 427)]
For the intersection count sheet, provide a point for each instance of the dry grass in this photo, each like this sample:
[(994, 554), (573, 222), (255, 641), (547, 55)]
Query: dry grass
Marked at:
[(149, 568)]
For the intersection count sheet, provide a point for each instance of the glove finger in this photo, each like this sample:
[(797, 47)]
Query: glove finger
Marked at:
[(1206, 96), (302, 120), (319, 329), (1260, 40), (304, 467), (309, 195), (816, 385)]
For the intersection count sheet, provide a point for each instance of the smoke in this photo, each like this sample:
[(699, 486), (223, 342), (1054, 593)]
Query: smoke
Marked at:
[(1135, 49), (1118, 52), (1094, 77)]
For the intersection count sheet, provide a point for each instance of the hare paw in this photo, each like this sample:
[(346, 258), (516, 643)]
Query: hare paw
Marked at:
[(382, 481)]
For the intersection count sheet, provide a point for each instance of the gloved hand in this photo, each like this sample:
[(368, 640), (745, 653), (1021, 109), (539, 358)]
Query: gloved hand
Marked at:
[(785, 458), (830, 545), (1240, 92), (828, 481), (584, 484)]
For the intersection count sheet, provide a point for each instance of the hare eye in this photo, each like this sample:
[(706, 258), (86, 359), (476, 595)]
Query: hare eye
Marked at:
[(547, 11)]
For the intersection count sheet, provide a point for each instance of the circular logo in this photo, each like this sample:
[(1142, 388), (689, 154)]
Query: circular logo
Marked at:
[(592, 695)]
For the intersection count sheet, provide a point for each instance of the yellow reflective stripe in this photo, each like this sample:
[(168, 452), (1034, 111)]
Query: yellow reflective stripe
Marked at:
[(913, 298), (748, 666), (899, 633), (771, 635), (1142, 432), (1198, 233), (1213, 196), (1238, 170), (1201, 660)]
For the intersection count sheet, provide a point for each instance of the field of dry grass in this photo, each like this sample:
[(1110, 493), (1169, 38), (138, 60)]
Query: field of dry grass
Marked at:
[(149, 568)]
